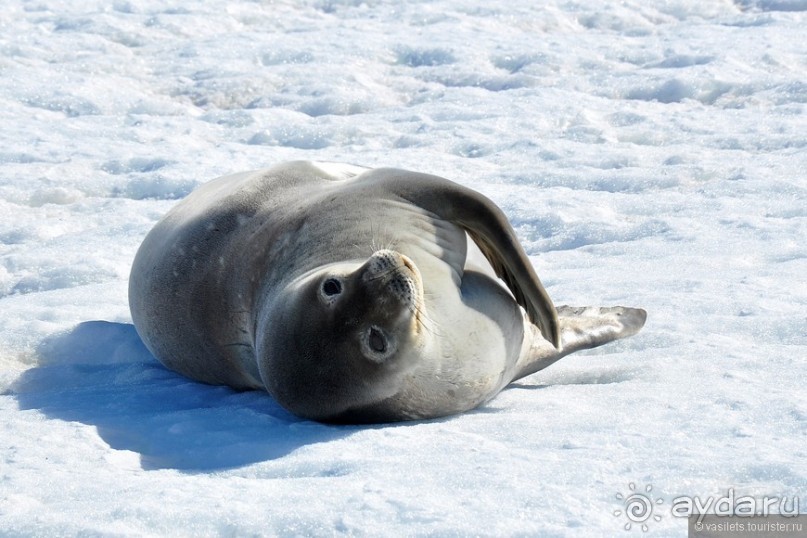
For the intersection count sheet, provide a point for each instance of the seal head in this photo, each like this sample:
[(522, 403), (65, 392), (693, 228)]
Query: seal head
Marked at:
[(353, 331)]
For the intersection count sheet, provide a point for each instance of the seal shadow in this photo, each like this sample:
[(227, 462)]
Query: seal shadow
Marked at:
[(593, 375), (101, 374)]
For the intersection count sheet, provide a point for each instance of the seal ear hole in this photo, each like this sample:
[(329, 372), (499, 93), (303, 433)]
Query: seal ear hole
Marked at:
[(331, 287)]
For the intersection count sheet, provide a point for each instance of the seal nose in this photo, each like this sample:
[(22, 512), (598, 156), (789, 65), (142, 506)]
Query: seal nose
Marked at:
[(395, 275), (385, 261)]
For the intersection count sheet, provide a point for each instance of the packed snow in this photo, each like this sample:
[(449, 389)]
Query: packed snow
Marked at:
[(649, 154)]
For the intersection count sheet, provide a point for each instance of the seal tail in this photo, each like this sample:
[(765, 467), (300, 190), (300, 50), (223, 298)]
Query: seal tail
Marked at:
[(580, 328)]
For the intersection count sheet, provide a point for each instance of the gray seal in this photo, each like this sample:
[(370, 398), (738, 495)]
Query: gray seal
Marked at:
[(352, 294)]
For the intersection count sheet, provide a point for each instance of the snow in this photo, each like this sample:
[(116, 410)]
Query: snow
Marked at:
[(648, 154)]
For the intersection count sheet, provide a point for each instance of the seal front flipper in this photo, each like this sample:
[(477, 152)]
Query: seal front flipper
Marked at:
[(489, 228), (580, 328)]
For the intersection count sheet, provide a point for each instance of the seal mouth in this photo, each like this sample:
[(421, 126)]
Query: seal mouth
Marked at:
[(416, 305), (408, 263)]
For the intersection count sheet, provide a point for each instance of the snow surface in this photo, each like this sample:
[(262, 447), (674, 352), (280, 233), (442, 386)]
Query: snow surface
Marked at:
[(648, 154)]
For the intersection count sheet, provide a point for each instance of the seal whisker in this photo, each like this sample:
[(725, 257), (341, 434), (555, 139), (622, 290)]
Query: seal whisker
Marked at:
[(424, 320), (375, 239), (373, 245)]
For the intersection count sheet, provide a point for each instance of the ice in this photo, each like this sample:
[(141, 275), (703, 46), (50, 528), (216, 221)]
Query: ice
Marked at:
[(648, 154)]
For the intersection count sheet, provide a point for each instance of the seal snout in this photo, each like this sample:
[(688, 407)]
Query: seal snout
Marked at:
[(384, 263), (396, 274)]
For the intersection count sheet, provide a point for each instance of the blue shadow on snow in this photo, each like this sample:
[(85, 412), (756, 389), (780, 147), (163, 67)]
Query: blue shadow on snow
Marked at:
[(101, 374)]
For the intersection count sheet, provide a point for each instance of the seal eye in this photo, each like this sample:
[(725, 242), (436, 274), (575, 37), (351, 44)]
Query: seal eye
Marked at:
[(377, 341), (331, 287)]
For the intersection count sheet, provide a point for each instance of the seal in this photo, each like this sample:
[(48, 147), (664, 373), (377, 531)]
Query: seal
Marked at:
[(352, 294)]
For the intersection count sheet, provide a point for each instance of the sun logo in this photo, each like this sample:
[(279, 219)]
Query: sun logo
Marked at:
[(638, 507)]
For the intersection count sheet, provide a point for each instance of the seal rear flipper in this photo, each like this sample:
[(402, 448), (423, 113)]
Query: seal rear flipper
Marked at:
[(581, 328), (592, 326), (487, 225)]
